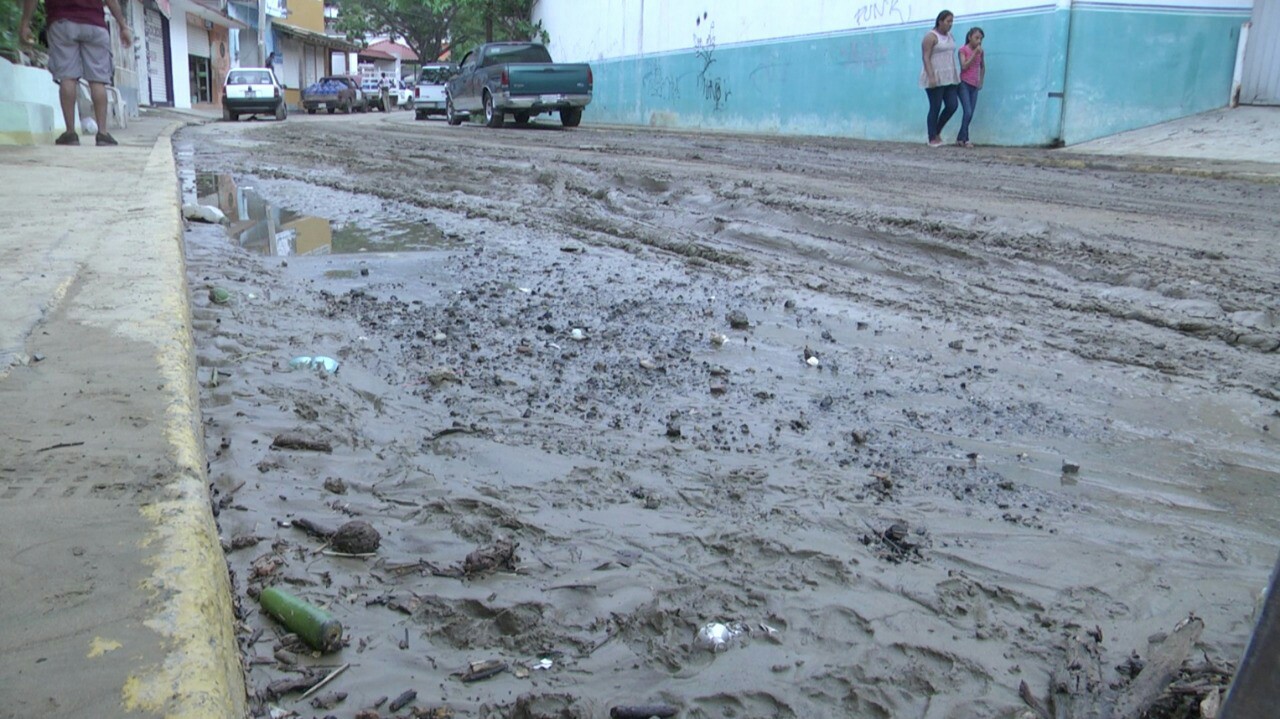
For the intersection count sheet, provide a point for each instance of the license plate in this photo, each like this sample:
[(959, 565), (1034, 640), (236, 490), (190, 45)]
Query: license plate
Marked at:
[(552, 98)]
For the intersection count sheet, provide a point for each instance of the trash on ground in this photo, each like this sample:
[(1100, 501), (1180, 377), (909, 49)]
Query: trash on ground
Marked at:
[(716, 637), (478, 671), (312, 624), (204, 213), (320, 363)]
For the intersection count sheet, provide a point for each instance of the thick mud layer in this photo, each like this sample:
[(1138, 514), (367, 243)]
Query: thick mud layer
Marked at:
[(906, 418)]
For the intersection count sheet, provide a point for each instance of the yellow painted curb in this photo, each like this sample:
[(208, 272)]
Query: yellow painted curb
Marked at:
[(190, 594)]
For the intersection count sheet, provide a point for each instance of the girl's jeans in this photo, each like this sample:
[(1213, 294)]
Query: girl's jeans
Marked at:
[(937, 96), (968, 101)]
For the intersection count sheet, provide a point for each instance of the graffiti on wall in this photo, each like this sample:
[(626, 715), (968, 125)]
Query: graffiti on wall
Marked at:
[(879, 10), (704, 46), (658, 83)]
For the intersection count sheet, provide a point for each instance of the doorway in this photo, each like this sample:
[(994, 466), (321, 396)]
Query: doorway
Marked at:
[(201, 86)]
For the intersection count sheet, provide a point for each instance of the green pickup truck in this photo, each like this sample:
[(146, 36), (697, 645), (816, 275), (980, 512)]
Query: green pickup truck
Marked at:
[(518, 79)]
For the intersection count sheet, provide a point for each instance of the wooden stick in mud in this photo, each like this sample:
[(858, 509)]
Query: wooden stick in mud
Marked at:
[(297, 441), (1075, 687), (315, 529), (1160, 670), (1031, 700), (332, 675)]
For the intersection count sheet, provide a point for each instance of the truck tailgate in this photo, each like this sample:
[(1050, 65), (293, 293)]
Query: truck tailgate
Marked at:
[(555, 79)]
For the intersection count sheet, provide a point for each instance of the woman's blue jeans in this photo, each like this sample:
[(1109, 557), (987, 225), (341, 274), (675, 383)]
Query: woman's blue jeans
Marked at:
[(938, 115), (968, 101)]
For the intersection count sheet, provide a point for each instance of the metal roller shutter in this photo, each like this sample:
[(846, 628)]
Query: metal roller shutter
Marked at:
[(197, 40)]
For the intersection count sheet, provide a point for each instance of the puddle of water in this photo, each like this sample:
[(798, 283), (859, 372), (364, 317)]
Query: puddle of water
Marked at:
[(266, 229)]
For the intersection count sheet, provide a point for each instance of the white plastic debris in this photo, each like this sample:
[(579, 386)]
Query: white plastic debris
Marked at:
[(716, 637), (325, 365)]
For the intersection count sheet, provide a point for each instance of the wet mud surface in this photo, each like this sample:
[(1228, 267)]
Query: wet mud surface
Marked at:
[(906, 418)]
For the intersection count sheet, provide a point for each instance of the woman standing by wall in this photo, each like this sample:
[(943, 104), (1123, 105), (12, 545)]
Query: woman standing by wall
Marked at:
[(973, 70), (940, 78)]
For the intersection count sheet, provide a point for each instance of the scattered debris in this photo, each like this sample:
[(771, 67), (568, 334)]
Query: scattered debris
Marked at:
[(297, 441)]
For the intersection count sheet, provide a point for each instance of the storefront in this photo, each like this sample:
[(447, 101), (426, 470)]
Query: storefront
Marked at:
[(158, 83), (199, 66)]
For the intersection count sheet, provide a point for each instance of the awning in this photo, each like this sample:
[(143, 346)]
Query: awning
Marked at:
[(317, 38), (204, 12)]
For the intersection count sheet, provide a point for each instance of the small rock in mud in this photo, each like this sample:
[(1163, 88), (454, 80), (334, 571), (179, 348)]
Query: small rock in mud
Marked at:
[(356, 537), (335, 485), (500, 555), (1070, 468), (440, 375), (329, 701), (737, 319), (241, 541)]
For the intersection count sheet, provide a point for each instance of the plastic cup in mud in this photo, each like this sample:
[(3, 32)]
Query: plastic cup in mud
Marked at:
[(716, 637)]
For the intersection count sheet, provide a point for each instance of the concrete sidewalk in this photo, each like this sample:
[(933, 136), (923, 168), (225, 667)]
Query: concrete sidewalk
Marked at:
[(1241, 142), (114, 598)]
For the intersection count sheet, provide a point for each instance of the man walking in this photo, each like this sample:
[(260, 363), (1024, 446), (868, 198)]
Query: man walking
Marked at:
[(79, 47), (385, 87)]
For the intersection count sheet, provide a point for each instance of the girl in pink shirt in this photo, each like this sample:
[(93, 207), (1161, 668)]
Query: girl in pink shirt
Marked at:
[(973, 69)]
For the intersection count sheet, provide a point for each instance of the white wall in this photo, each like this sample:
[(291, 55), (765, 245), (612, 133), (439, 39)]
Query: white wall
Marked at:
[(620, 28)]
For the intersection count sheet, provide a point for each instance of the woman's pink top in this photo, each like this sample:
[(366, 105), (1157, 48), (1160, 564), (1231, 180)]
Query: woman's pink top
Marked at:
[(971, 75)]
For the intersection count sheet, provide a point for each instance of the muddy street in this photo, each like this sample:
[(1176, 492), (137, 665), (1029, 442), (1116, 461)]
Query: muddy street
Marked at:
[(902, 419)]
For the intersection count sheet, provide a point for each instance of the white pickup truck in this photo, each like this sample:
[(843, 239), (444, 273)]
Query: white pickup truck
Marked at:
[(428, 96)]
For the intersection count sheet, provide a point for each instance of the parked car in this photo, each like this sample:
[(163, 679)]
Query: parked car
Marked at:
[(428, 95), (332, 93), (517, 78), (252, 91), (403, 95)]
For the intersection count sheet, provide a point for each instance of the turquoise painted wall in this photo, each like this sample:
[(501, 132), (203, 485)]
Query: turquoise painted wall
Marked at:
[(857, 84), (1123, 67), (1130, 69)]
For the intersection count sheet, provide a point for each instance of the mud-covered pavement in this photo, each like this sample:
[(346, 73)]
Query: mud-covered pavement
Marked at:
[(911, 417)]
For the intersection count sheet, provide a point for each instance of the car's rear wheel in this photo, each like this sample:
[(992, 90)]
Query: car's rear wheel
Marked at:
[(281, 111), (311, 110), (522, 118), (419, 115), (492, 118), (330, 110), (571, 116), (450, 114), (226, 114)]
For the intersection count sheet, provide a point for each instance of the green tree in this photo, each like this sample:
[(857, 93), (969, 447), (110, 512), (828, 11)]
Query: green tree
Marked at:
[(423, 24), (432, 26), (494, 21)]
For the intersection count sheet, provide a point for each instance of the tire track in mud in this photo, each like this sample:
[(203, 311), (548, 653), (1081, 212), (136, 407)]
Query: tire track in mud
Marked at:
[(940, 396)]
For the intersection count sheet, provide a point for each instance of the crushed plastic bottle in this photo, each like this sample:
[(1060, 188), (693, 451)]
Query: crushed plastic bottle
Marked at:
[(716, 637)]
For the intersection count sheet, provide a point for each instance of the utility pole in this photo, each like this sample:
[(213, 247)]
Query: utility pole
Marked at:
[(262, 33)]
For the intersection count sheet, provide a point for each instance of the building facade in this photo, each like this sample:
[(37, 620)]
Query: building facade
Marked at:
[(1062, 72)]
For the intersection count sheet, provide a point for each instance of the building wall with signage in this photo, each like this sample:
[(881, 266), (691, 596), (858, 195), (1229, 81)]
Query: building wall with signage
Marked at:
[(1068, 71)]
